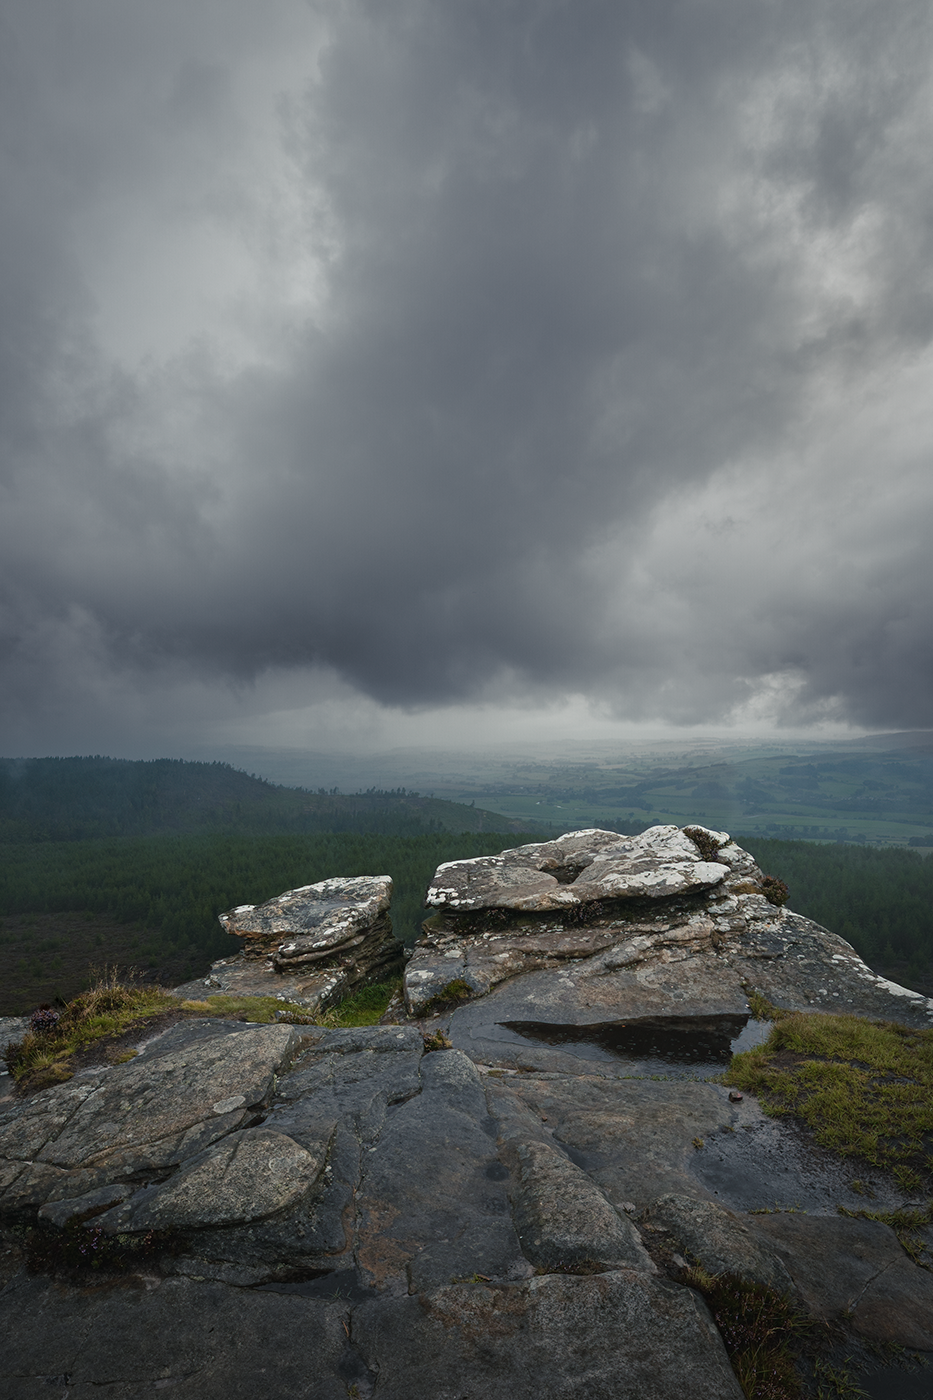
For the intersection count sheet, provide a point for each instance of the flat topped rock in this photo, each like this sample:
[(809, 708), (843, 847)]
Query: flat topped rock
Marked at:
[(579, 868), (323, 916)]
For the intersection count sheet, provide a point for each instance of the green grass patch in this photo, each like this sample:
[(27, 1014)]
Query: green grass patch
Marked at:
[(865, 1088), (453, 994), (262, 1010), (111, 1008), (366, 1006)]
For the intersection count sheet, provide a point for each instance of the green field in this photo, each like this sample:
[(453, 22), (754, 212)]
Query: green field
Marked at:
[(880, 792)]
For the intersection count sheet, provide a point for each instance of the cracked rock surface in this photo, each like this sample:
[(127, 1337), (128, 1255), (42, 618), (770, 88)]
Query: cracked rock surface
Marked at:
[(321, 1213), (366, 1215)]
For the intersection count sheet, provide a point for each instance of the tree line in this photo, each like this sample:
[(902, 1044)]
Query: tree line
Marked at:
[(174, 886)]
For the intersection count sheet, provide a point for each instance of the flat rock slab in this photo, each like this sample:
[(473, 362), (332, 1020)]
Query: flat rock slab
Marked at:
[(450, 1216), (194, 1340), (634, 1138), (189, 1088), (611, 1336), (719, 1240), (246, 1176), (761, 1163), (857, 1270)]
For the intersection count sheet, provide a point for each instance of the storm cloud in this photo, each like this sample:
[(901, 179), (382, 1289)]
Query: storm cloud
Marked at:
[(465, 354)]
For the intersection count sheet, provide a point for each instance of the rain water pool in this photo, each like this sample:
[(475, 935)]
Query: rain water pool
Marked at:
[(694, 1047)]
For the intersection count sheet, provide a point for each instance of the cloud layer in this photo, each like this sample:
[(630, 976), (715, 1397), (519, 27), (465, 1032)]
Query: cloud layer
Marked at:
[(465, 354)]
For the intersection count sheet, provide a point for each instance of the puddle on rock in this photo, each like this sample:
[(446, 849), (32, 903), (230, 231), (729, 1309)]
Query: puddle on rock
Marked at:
[(679, 1047), (767, 1164)]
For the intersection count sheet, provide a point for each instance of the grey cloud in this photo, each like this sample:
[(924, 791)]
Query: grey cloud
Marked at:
[(579, 261)]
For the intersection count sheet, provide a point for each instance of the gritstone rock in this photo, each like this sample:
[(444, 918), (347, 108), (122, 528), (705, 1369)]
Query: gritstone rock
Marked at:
[(595, 928)]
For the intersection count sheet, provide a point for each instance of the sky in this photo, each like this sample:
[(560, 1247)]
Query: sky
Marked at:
[(382, 372)]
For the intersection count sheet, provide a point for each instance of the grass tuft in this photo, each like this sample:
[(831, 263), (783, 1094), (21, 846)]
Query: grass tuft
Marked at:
[(762, 1331), (453, 994), (42, 1058), (110, 1007), (774, 890)]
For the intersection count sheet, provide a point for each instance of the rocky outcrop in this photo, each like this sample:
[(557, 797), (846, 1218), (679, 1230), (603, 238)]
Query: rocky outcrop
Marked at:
[(322, 1213), (633, 927), (314, 946), (575, 870)]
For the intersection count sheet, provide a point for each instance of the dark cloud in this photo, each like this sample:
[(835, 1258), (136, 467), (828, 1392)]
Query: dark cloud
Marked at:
[(493, 350)]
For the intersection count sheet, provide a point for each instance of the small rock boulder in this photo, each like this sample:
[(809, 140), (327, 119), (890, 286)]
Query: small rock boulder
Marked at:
[(314, 946), (565, 1224), (315, 922), (718, 1240)]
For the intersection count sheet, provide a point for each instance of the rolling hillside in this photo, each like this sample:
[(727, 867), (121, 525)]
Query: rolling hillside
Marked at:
[(81, 799)]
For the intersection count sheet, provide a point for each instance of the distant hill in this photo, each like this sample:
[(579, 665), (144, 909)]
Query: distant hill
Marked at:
[(79, 799)]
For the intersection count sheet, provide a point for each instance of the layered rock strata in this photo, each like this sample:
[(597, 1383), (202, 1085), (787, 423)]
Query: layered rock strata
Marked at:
[(313, 946), (643, 926)]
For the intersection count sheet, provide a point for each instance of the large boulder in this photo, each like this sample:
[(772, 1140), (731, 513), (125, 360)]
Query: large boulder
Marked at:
[(575, 870), (633, 927)]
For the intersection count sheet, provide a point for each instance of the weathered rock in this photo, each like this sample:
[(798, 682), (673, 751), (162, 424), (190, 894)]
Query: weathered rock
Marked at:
[(62, 1212), (310, 923), (184, 1092), (564, 1221), (12, 1028), (681, 943), (719, 1240), (854, 1270), (244, 1177), (192, 1340), (611, 1336), (633, 1137), (313, 946), (450, 1217), (576, 869)]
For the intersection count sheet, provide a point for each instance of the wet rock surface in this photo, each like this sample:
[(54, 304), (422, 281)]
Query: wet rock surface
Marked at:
[(321, 1213), (857, 1270)]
